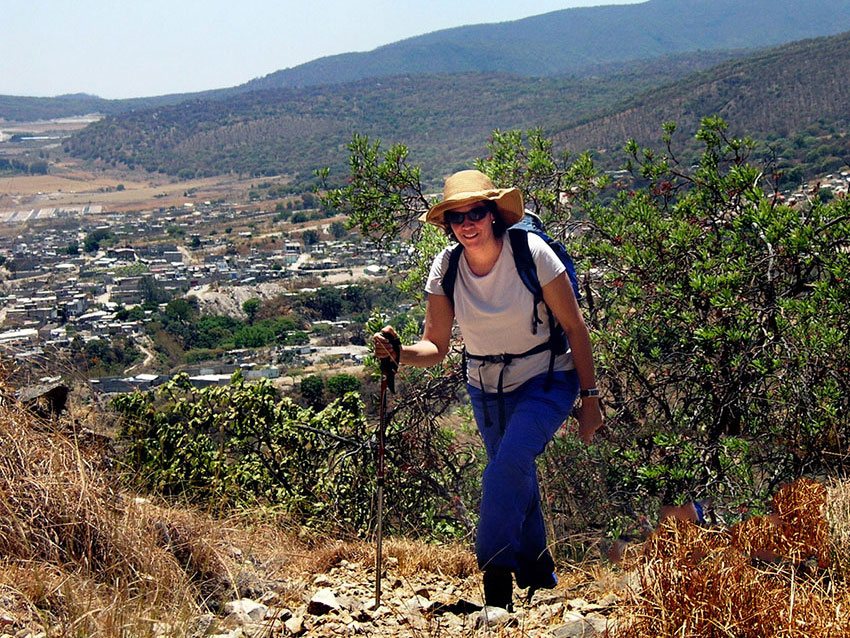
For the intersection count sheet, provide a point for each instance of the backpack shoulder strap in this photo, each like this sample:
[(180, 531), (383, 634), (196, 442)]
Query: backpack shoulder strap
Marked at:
[(450, 276), (527, 271), (525, 265)]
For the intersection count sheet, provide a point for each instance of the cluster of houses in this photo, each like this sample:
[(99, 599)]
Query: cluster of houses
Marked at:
[(51, 295), (837, 184)]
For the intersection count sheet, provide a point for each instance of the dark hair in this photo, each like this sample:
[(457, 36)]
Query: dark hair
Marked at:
[(499, 227)]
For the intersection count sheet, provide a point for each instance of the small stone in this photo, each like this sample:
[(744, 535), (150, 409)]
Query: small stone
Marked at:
[(202, 625), (579, 628), (375, 611), (270, 598), (350, 604), (577, 603), (278, 613), (294, 625), (546, 597), (417, 603), (599, 622), (251, 608), (322, 580), (255, 630), (492, 617), (551, 611), (323, 602), (609, 600), (235, 619), (234, 552)]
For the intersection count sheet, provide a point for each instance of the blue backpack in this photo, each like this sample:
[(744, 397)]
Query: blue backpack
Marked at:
[(518, 236)]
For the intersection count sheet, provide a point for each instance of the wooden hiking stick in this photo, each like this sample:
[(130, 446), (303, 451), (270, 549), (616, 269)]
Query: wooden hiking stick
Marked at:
[(389, 366)]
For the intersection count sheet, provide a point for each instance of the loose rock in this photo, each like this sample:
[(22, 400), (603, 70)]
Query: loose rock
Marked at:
[(323, 601)]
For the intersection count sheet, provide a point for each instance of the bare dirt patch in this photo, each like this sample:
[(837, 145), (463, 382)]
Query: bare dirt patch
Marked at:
[(73, 186)]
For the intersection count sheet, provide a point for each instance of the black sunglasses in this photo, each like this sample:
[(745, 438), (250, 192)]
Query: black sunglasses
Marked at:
[(475, 215)]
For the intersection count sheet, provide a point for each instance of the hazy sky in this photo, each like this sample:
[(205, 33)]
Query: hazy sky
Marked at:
[(136, 48)]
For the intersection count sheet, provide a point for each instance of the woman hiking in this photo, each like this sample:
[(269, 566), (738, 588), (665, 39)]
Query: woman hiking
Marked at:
[(521, 391)]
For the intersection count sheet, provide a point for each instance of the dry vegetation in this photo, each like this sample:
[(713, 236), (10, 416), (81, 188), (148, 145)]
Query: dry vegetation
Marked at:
[(769, 576), (70, 184), (81, 556)]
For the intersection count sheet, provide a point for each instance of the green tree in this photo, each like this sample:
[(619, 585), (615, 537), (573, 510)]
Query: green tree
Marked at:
[(310, 237), (720, 317), (250, 307), (313, 391), (256, 336), (340, 384), (242, 444), (338, 229), (93, 240), (182, 309), (152, 291)]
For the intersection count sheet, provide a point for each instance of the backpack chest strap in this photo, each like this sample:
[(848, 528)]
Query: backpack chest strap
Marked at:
[(505, 360)]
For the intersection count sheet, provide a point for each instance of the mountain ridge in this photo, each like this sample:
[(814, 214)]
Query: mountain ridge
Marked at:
[(445, 119), (570, 40), (580, 41), (771, 93)]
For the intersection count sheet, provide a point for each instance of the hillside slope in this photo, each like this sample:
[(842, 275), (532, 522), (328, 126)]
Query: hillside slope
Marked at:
[(572, 40), (602, 40), (776, 93), (446, 119)]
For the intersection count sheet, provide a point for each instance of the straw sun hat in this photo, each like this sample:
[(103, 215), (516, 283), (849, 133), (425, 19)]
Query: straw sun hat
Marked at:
[(471, 186)]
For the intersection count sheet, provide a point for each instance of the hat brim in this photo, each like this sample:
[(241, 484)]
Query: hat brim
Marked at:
[(508, 202)]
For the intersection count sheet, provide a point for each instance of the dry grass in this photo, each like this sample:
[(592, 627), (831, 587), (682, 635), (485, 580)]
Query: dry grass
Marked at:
[(838, 515), (72, 185), (73, 554), (78, 556), (767, 577)]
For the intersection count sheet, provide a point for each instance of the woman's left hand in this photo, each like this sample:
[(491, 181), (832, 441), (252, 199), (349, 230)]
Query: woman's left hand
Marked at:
[(589, 417)]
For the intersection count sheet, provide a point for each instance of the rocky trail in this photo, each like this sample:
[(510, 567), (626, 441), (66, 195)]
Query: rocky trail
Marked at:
[(341, 602)]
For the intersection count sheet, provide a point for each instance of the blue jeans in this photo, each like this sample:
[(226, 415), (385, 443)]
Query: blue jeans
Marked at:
[(511, 533)]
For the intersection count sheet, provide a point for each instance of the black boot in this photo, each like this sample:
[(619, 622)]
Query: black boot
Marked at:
[(498, 588)]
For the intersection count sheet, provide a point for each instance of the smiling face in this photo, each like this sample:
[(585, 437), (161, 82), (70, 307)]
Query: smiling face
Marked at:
[(470, 232)]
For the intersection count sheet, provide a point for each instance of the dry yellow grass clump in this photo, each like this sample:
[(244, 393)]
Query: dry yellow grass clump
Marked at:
[(767, 577), (80, 556), (74, 554)]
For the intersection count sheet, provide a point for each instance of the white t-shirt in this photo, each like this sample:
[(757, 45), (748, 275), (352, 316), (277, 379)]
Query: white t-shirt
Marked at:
[(495, 314)]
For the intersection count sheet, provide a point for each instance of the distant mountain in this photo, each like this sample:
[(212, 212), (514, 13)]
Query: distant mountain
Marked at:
[(573, 41), (579, 42), (27, 109), (796, 90), (446, 118)]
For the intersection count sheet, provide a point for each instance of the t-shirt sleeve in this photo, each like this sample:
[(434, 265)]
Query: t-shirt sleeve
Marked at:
[(547, 262), (434, 284)]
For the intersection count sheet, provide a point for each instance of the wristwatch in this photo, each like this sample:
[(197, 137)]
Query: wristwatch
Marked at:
[(589, 392)]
